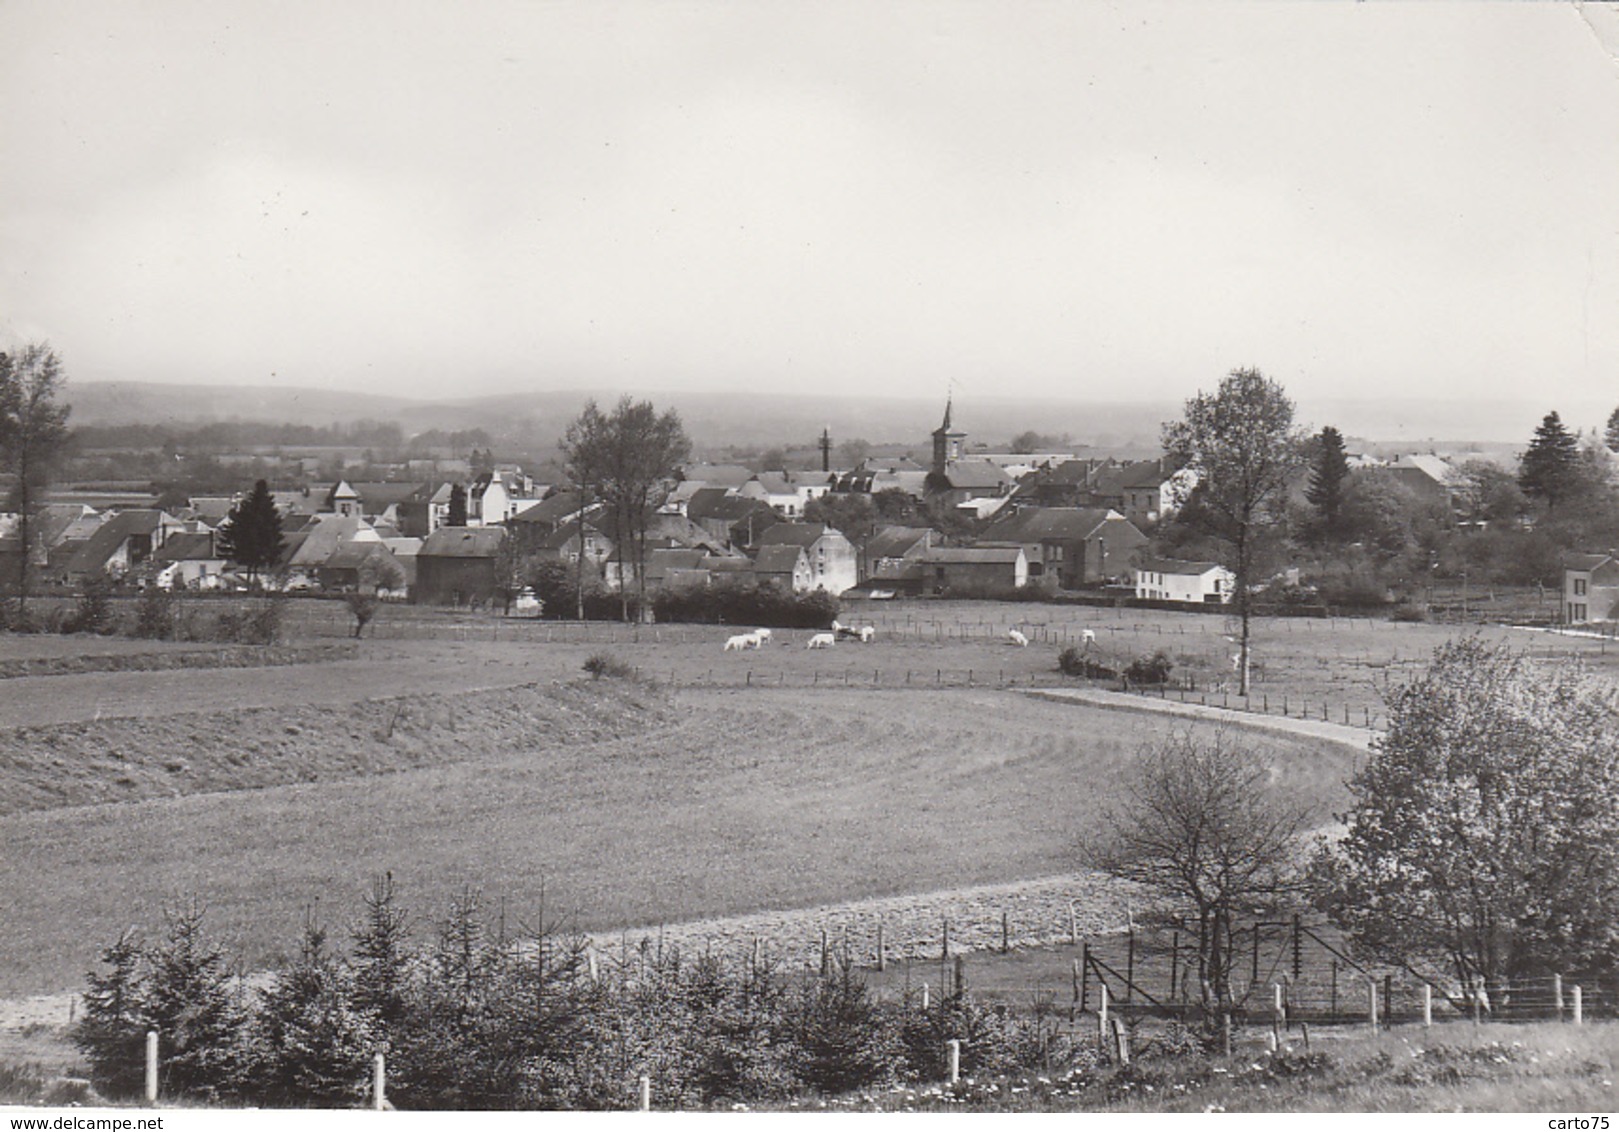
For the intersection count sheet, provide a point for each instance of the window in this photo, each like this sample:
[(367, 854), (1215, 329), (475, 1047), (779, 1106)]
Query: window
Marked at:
[(1579, 587)]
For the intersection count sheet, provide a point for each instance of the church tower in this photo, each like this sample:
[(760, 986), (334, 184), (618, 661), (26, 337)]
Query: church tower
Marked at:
[(947, 443)]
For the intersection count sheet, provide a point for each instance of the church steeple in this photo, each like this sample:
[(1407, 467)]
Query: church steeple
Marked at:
[(946, 442)]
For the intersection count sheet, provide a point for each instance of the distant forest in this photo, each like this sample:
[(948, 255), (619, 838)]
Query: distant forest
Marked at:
[(243, 436)]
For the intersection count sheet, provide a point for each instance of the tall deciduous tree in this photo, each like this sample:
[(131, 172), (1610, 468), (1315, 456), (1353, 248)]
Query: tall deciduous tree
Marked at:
[(33, 432), (1241, 441), (1550, 469), (631, 456), (1484, 836), (250, 536), (1329, 468), (1199, 823)]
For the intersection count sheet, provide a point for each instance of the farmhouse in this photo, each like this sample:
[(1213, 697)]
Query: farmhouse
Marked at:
[(786, 566), (456, 565), (123, 543), (188, 561), (1069, 547), (1590, 588), (830, 555), (893, 551), (1170, 579)]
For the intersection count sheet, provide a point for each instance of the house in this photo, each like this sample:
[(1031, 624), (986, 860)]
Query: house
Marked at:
[(58, 532), (786, 565), (734, 520), (1069, 547), (1430, 478), (308, 548), (974, 568), (189, 560), (362, 566), (1170, 579), (831, 556), (892, 550), (123, 543), (675, 566), (1147, 490), (488, 501), (1590, 588), (456, 566)]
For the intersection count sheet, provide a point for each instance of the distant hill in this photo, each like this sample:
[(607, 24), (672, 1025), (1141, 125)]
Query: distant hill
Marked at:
[(719, 420)]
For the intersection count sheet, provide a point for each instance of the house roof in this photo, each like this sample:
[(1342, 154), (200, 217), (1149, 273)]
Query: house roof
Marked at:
[(793, 534), (726, 508), (462, 542), (1146, 473), (1176, 566), (781, 558), (353, 555), (1585, 562), (108, 537), (720, 475), (378, 497), (566, 535), (1050, 524), (187, 547), (324, 535), (775, 483), (974, 555), (972, 474), (895, 542), (550, 512), (214, 508)]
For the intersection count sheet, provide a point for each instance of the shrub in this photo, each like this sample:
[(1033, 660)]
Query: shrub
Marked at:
[(155, 614), (1153, 670), (1411, 613), (1073, 662), (745, 601), (93, 613), (845, 1039), (258, 623), (603, 664)]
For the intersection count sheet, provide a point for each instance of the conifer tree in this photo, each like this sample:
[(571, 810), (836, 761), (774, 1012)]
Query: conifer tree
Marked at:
[(1329, 469), (457, 515), (192, 1002), (312, 1046), (1611, 436), (250, 536), (112, 1032), (1550, 468)]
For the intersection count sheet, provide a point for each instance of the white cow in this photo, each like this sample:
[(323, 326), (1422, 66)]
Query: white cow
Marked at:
[(742, 641), (822, 641), (1088, 637), (866, 634), (1017, 638), (762, 634)]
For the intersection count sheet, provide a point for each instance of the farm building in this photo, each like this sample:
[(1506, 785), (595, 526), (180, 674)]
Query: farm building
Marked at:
[(1170, 579), (831, 557), (189, 561), (456, 565), (788, 566), (123, 543), (893, 550), (1590, 588), (975, 568), (1070, 547)]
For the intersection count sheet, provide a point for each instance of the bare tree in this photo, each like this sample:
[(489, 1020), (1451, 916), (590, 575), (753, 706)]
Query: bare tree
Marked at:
[(1242, 443), (1199, 824), (33, 432)]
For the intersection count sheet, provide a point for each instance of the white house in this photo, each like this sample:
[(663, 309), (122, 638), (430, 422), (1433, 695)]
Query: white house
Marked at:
[(1169, 579)]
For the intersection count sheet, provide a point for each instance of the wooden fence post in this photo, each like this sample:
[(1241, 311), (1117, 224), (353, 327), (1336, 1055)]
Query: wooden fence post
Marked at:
[(379, 1082), (1006, 939), (1084, 978), (955, 1060), (151, 1067), (1579, 1008), (1557, 995), (1101, 1010), (882, 949), (1427, 1005), (1371, 1001)]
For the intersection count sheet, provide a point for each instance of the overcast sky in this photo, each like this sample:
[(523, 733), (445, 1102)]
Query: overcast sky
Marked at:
[(1116, 201)]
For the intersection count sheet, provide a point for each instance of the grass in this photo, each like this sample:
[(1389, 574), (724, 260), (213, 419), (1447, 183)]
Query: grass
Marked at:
[(753, 799)]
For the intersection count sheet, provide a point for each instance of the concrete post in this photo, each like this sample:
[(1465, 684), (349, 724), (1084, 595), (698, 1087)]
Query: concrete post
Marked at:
[(379, 1082), (646, 1093), (955, 1060), (151, 1067)]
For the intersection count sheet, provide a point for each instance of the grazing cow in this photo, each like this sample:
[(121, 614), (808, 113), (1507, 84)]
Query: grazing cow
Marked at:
[(762, 634), (1088, 637), (866, 634), (1017, 638), (742, 641), (822, 641)]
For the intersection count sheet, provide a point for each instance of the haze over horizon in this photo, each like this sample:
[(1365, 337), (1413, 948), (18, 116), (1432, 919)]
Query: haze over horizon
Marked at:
[(1372, 203)]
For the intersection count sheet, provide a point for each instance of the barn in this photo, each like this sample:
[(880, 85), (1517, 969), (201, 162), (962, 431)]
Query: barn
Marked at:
[(456, 566)]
